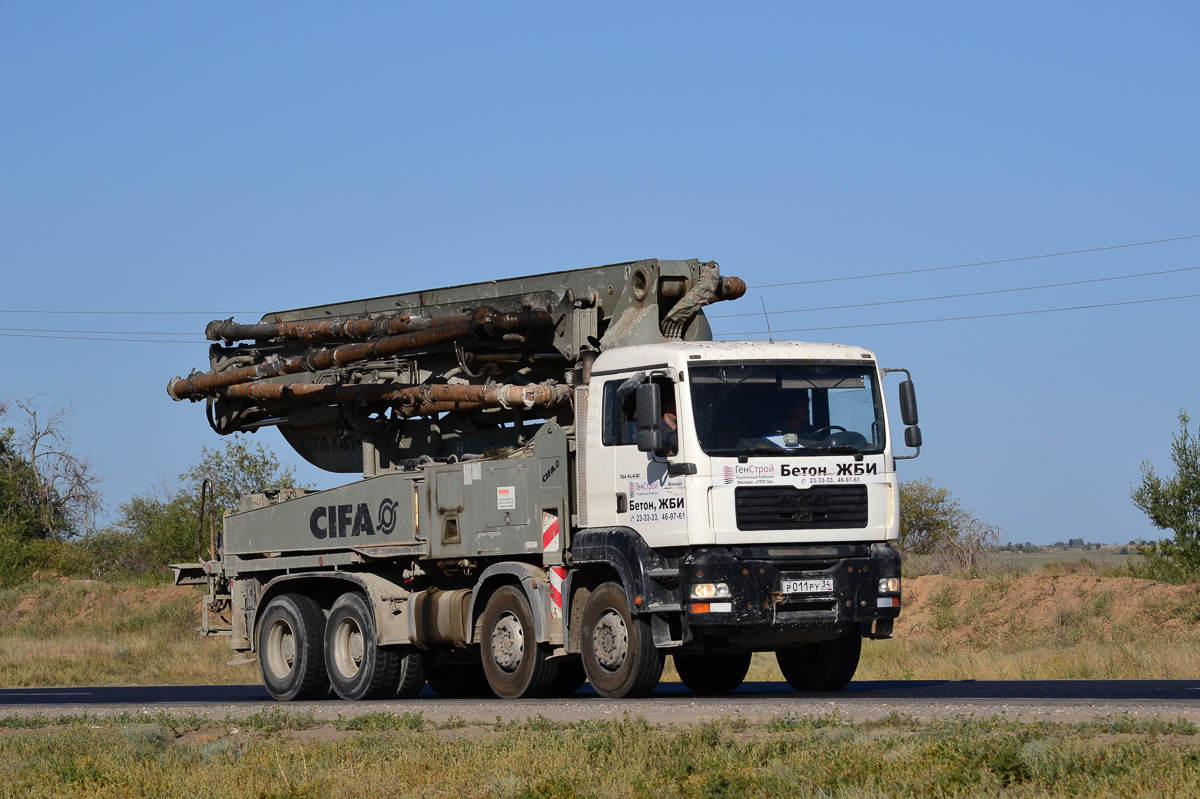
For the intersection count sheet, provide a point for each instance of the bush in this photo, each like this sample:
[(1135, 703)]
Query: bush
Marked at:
[(151, 530), (1173, 504), (164, 526), (929, 516), (933, 524)]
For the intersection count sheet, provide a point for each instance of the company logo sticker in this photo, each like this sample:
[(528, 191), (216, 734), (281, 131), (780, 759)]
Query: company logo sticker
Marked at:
[(340, 521)]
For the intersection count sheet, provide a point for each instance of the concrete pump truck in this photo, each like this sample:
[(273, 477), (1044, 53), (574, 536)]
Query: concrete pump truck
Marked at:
[(564, 478)]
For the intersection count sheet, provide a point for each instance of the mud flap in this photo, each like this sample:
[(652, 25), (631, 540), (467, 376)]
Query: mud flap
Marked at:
[(667, 629)]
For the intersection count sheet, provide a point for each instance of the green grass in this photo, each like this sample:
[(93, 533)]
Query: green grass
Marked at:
[(409, 756)]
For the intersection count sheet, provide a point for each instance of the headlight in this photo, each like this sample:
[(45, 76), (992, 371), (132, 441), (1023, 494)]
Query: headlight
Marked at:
[(710, 591), (889, 585)]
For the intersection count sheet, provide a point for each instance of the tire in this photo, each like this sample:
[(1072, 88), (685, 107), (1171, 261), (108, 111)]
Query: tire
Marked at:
[(291, 648), (828, 666), (358, 667), (461, 680), (514, 662), (570, 679), (411, 679), (712, 675), (618, 650)]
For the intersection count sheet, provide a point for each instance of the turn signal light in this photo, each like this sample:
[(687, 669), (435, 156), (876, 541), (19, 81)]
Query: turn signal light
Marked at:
[(712, 607), (889, 585)]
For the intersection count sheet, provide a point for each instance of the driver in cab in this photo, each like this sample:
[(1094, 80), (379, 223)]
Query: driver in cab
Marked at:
[(794, 427)]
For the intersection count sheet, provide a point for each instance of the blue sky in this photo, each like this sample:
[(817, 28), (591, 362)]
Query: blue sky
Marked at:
[(242, 158)]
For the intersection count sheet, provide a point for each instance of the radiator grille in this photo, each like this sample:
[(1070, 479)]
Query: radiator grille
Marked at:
[(788, 508)]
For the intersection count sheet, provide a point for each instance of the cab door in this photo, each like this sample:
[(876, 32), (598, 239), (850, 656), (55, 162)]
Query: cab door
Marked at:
[(628, 487)]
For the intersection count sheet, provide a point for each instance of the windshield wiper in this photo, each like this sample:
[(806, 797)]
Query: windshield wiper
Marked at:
[(839, 448)]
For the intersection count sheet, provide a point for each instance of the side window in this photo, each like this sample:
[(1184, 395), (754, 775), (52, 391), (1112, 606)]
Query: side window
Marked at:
[(620, 413), (620, 417)]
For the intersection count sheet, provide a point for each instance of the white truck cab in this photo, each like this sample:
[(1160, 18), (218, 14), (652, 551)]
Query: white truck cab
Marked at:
[(772, 443)]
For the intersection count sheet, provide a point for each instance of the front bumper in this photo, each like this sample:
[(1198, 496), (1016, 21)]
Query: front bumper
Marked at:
[(757, 607)]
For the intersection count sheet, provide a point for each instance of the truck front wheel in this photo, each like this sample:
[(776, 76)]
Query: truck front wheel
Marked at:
[(358, 667), (618, 648), (711, 675), (514, 662), (291, 651), (827, 666)]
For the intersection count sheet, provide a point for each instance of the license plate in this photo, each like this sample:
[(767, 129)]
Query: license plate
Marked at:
[(807, 586)]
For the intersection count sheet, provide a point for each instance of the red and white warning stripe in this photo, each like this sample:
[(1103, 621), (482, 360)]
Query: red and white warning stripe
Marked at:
[(557, 575), (550, 540)]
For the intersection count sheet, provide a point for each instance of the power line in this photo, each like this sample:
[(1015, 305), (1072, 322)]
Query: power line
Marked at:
[(972, 316), (98, 332), (96, 338), (968, 294), (977, 263), (218, 314)]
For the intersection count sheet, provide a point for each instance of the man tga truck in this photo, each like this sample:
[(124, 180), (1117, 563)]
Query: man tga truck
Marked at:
[(564, 478)]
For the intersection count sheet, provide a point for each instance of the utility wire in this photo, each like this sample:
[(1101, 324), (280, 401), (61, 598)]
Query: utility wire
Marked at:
[(966, 294), (96, 338), (977, 263), (972, 316), (219, 314), (96, 332)]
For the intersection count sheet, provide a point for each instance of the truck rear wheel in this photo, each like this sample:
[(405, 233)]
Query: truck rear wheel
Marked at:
[(514, 662), (358, 667), (618, 648), (710, 675), (827, 666), (291, 648)]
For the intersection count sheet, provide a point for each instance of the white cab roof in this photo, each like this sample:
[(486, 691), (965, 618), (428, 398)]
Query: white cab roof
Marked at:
[(680, 354)]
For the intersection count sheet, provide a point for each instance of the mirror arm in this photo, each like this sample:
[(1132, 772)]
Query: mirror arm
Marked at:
[(907, 457), (630, 385), (676, 468)]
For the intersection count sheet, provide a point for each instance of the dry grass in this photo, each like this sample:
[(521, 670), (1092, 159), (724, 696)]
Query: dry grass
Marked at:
[(83, 632), (1066, 621), (1063, 623)]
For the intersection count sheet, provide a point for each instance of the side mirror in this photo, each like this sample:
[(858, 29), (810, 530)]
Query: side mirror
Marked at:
[(649, 417), (912, 437), (908, 404)]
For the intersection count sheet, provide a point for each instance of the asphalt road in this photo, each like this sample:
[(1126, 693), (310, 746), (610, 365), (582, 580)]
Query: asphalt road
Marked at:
[(1064, 700)]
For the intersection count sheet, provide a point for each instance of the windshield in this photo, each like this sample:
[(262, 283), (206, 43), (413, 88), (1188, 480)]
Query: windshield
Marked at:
[(787, 408)]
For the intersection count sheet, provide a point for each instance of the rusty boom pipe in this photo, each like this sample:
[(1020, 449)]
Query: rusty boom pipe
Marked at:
[(484, 322), (323, 329), (437, 397)]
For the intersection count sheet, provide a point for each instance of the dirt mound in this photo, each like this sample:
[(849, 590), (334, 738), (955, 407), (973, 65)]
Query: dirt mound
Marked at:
[(75, 602), (1044, 608)]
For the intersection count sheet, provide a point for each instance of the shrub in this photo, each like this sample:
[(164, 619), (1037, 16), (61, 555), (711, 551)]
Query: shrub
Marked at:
[(1173, 503), (934, 524)]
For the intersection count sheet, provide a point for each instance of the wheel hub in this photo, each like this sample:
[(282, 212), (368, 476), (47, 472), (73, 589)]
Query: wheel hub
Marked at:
[(348, 647), (280, 651), (508, 642), (611, 641)]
